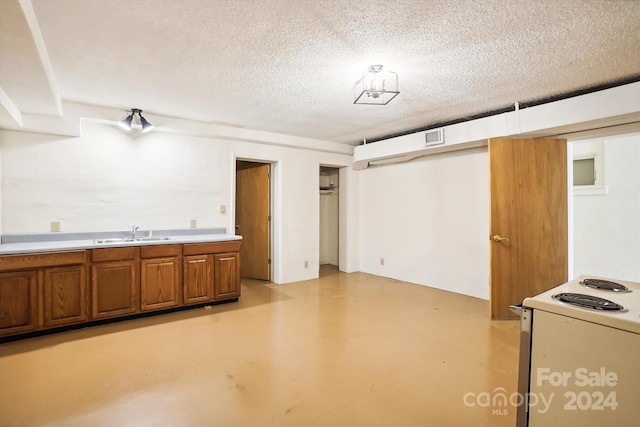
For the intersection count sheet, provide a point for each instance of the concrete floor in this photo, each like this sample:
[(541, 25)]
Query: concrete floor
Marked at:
[(341, 350)]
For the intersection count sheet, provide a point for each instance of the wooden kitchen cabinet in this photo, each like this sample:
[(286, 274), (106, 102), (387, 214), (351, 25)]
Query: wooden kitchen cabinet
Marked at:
[(115, 282), (198, 278), (211, 271), (18, 302), (161, 277), (65, 295), (47, 290), (42, 290), (227, 276)]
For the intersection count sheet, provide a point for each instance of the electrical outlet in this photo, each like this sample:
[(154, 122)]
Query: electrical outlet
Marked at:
[(306, 264), (223, 209), (381, 261), (194, 223), (55, 226)]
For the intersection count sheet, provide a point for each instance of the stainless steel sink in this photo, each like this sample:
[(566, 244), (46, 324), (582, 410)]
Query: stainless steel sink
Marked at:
[(130, 240), (114, 240), (151, 239)]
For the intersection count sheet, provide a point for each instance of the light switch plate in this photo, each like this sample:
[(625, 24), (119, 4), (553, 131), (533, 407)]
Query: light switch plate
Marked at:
[(194, 223), (55, 226)]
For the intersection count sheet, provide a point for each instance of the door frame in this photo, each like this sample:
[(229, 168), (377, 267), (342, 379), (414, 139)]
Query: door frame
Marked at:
[(339, 171), (274, 209)]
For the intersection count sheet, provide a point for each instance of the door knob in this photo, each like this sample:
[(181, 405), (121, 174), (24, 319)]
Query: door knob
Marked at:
[(498, 238)]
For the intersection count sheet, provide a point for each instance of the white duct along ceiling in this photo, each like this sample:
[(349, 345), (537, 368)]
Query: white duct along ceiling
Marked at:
[(593, 112)]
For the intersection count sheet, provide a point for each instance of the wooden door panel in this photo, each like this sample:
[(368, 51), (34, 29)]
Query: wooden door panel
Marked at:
[(65, 295), (252, 219), (227, 276), (529, 211), (198, 278), (159, 283), (114, 289), (18, 302)]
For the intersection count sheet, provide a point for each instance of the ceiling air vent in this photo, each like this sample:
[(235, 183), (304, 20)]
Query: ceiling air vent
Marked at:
[(434, 137)]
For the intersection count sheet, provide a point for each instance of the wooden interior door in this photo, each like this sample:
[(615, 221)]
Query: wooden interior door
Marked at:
[(529, 243), (253, 219)]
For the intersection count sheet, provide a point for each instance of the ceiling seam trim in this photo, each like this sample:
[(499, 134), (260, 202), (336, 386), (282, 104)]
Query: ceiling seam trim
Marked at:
[(32, 21), (10, 107)]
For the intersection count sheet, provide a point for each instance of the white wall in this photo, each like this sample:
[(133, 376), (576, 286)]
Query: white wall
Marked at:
[(607, 226), (108, 180), (429, 220)]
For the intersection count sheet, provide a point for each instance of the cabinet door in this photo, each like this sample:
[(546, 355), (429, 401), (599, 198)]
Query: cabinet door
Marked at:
[(227, 276), (18, 302), (159, 283), (65, 295), (114, 289), (198, 278)]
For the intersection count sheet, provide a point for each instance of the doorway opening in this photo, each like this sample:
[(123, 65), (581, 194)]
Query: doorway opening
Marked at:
[(253, 218), (329, 216)]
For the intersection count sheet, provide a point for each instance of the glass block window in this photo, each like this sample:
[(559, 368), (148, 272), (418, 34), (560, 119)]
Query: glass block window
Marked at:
[(584, 172)]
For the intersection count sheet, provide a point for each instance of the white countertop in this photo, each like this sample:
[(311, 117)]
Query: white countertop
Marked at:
[(69, 245)]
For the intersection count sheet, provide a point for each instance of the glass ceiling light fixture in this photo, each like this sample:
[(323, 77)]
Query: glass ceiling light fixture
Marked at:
[(376, 87), (128, 121)]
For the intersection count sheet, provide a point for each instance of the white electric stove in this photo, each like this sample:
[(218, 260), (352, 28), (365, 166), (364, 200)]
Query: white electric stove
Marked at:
[(580, 355)]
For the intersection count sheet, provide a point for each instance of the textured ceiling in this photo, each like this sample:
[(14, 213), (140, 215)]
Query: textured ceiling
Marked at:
[(288, 66)]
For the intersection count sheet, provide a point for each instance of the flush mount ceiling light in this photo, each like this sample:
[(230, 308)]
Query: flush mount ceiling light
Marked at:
[(376, 87), (128, 121)]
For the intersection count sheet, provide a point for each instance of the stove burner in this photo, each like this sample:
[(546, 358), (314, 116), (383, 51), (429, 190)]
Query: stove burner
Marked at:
[(588, 301), (604, 285)]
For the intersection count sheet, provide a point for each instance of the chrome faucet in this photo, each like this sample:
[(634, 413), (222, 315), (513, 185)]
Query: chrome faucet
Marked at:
[(134, 229)]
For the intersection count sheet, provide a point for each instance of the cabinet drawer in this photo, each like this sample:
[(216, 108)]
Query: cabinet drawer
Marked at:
[(114, 254), (211, 248), (158, 251), (18, 262)]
